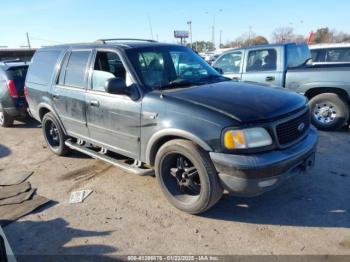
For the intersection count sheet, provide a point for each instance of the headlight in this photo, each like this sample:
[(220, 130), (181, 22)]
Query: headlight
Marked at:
[(247, 138)]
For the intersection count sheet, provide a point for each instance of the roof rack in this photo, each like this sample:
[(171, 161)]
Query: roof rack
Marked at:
[(104, 41)]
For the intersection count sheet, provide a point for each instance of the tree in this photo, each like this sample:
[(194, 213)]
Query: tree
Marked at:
[(258, 40), (283, 34), (244, 41), (323, 35), (203, 46)]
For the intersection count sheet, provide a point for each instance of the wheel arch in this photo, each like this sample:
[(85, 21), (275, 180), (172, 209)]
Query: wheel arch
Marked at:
[(321, 90), (43, 109), (163, 136)]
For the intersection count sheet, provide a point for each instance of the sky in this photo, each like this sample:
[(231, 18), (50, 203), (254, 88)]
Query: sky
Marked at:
[(68, 21)]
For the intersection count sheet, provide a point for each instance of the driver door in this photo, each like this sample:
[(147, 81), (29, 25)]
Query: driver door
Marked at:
[(113, 120)]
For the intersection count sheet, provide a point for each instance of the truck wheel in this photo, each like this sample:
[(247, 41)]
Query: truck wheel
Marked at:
[(54, 135), (329, 111), (187, 176), (5, 119)]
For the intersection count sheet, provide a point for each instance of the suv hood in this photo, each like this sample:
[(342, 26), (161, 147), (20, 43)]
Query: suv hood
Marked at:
[(242, 101)]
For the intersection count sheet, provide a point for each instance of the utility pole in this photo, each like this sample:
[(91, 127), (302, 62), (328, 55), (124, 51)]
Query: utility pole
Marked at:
[(250, 35), (220, 39), (213, 31), (213, 26), (189, 23), (28, 41)]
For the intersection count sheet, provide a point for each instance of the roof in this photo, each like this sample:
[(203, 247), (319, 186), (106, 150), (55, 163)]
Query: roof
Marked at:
[(6, 49), (329, 45), (121, 44)]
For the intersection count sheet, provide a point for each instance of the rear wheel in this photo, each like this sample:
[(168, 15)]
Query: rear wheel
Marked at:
[(5, 119), (54, 135), (329, 111), (187, 176)]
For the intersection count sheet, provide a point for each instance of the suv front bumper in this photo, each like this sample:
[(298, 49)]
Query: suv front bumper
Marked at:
[(252, 175)]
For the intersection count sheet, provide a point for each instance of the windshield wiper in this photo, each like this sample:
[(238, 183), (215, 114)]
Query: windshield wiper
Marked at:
[(178, 83)]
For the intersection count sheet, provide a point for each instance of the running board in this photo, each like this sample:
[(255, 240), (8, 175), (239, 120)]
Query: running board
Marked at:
[(120, 163)]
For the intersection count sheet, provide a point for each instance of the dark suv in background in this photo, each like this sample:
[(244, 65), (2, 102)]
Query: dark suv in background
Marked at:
[(12, 98), (145, 105)]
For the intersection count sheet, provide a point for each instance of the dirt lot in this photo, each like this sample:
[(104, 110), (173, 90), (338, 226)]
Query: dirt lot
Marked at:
[(127, 214)]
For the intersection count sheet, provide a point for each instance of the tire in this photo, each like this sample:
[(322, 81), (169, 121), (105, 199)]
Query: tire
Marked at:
[(54, 135), (204, 176), (329, 112), (5, 119)]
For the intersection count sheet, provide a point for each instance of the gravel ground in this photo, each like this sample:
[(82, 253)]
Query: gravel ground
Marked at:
[(127, 214)]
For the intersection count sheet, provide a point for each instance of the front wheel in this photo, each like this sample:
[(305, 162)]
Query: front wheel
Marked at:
[(54, 135), (329, 111), (187, 176)]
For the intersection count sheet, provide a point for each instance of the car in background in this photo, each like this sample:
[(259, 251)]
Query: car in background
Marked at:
[(327, 86), (330, 53), (211, 56), (13, 104)]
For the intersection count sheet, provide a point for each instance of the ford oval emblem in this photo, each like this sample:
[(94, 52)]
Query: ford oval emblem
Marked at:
[(301, 127)]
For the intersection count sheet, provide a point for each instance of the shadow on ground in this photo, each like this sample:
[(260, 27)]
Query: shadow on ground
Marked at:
[(4, 151), (52, 238), (301, 202), (27, 123)]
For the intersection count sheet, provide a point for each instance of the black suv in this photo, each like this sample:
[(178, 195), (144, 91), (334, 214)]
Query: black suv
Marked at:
[(12, 100), (143, 105)]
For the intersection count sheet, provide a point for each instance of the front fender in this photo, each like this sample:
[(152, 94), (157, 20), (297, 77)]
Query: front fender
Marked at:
[(155, 138)]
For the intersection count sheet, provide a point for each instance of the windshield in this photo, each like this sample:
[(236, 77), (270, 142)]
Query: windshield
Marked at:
[(171, 67), (297, 54)]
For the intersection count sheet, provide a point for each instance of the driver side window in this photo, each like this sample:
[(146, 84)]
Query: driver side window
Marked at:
[(107, 65), (230, 63)]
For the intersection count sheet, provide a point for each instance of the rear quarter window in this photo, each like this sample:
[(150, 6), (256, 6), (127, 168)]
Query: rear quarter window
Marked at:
[(42, 67)]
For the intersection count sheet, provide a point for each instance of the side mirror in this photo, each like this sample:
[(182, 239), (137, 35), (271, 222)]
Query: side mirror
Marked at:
[(115, 86), (219, 70)]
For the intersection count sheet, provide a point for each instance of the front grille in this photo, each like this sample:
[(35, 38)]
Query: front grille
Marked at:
[(291, 131)]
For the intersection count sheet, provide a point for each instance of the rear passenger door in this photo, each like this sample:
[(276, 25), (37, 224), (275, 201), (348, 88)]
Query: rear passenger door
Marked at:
[(263, 66), (70, 91), (113, 120)]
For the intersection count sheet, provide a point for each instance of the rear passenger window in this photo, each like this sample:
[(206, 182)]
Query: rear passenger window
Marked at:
[(75, 75), (262, 60), (42, 67), (338, 55)]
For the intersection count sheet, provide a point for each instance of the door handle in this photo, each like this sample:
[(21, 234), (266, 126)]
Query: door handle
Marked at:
[(94, 103), (55, 96), (235, 78), (270, 78)]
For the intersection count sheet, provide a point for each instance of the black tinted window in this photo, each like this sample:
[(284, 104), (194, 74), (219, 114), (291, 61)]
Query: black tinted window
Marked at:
[(42, 67), (76, 68), (17, 73)]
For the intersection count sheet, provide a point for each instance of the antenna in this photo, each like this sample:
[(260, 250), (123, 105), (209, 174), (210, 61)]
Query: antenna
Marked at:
[(150, 25)]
